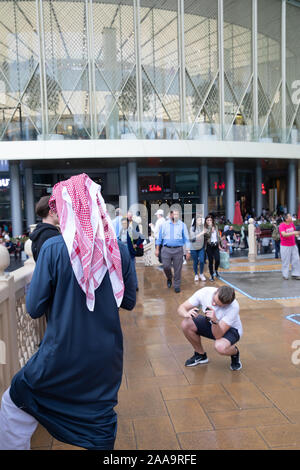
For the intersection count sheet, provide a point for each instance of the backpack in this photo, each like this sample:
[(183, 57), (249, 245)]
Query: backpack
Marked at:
[(276, 234)]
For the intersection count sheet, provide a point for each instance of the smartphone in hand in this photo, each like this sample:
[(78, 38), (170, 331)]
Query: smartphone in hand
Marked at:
[(195, 312), (207, 310)]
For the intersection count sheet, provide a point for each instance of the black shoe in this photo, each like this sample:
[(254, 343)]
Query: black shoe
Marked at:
[(196, 359), (177, 290), (217, 275), (169, 283), (235, 361), (211, 279)]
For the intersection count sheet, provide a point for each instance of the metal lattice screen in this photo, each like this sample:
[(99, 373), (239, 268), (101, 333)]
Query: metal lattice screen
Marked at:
[(238, 69), (20, 102), (160, 69), (115, 68), (269, 69), (202, 67), (293, 72), (66, 68)]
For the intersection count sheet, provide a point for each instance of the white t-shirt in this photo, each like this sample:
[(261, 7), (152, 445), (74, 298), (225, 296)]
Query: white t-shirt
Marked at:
[(158, 224), (213, 238), (229, 314)]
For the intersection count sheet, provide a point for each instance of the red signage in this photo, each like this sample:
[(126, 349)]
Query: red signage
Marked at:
[(219, 185), (154, 188), (263, 189)]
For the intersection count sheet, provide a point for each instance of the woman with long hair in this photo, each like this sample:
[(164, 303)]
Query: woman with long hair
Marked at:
[(198, 247), (212, 238)]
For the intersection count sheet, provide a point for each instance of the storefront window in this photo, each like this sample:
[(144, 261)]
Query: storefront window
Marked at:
[(216, 192), (186, 184), (4, 200)]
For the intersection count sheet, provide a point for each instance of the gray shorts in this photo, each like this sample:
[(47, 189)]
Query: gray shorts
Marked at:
[(204, 329)]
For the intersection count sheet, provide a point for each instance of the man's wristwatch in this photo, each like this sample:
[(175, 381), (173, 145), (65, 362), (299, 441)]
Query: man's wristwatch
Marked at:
[(214, 322)]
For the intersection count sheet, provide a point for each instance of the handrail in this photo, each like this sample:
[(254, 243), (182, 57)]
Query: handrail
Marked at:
[(20, 335)]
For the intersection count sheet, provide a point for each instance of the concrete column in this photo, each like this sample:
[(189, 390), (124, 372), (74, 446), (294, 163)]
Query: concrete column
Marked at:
[(251, 241), (258, 174), (230, 190), (204, 186), (123, 197), (298, 185), (29, 197), (292, 193), (15, 199), (132, 182)]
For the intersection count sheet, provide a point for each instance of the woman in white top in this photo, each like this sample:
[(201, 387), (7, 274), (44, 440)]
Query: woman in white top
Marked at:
[(212, 246)]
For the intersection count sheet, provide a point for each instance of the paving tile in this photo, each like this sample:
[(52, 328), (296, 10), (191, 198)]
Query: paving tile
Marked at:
[(293, 416), (173, 334), (187, 415), (57, 445), (143, 336), (155, 434), (287, 435), (158, 350), (165, 366), (247, 395), (212, 397), (141, 403), (213, 373), (125, 435), (157, 381), (247, 418), (286, 448), (163, 404), (227, 439), (264, 379), (41, 438), (138, 369), (287, 400)]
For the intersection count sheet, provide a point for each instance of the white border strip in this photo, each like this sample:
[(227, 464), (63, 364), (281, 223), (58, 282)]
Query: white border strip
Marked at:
[(68, 149)]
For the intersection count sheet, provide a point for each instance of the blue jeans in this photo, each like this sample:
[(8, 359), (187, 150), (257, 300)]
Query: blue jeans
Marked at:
[(198, 258)]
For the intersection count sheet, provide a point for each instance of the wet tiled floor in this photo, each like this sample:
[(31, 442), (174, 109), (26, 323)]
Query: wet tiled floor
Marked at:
[(164, 405)]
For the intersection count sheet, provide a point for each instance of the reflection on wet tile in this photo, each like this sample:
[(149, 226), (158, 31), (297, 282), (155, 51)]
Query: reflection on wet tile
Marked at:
[(154, 307), (163, 404), (227, 439)]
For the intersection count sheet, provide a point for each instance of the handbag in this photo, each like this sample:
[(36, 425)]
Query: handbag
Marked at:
[(139, 250), (224, 260)]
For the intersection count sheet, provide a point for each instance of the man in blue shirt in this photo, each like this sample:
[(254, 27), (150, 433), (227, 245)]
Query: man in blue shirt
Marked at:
[(173, 236), (117, 221)]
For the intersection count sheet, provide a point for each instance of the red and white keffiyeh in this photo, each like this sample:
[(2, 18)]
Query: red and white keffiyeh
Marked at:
[(89, 235)]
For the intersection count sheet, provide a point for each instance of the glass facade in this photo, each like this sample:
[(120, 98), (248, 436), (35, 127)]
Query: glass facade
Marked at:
[(206, 70)]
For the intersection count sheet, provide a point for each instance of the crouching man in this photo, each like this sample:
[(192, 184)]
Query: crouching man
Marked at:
[(220, 321)]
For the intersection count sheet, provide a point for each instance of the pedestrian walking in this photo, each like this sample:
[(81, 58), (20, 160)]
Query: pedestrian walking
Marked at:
[(219, 321), (173, 236), (198, 248), (213, 241), (117, 221), (156, 227), (130, 237), (276, 237), (70, 385), (288, 249)]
